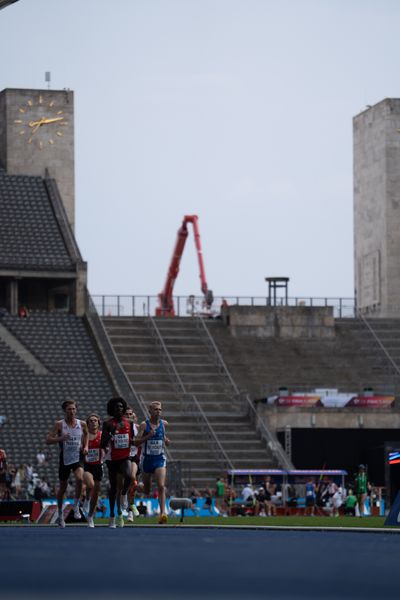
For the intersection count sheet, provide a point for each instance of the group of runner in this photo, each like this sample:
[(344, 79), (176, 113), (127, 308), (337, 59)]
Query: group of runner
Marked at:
[(124, 446)]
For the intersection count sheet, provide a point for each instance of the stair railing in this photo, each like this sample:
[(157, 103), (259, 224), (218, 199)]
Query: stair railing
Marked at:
[(379, 342), (189, 402), (217, 354), (269, 437), (207, 428), (167, 358), (116, 372)]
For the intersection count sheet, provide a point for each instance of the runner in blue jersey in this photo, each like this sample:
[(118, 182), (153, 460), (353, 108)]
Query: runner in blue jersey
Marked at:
[(152, 458)]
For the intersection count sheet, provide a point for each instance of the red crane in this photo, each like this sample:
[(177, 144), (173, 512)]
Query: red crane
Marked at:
[(165, 306)]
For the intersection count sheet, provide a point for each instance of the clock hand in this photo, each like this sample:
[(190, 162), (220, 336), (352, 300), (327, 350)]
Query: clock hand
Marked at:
[(35, 125), (53, 120)]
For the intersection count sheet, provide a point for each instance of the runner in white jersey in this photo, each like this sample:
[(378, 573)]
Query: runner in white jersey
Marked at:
[(72, 436)]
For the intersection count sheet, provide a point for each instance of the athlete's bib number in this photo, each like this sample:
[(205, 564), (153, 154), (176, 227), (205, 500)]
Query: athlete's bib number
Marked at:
[(121, 440), (155, 447), (93, 455), (72, 443)]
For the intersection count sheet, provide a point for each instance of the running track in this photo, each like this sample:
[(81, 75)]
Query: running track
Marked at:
[(163, 562)]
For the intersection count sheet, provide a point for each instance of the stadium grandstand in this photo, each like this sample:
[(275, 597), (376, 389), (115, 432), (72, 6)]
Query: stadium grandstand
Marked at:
[(242, 388)]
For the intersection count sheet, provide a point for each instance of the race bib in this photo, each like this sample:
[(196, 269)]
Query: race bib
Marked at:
[(93, 455), (72, 443), (121, 440), (155, 447)]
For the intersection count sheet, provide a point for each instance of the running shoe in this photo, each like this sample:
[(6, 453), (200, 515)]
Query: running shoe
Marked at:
[(60, 521), (130, 517), (124, 501), (77, 513), (135, 511), (163, 519), (120, 521), (111, 523), (90, 522)]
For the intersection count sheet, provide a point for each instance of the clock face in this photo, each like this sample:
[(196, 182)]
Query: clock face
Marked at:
[(41, 122)]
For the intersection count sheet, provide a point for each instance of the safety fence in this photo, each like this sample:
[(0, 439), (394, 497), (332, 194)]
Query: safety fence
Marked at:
[(121, 305)]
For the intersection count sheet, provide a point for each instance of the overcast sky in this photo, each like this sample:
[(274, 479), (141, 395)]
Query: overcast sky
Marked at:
[(239, 111)]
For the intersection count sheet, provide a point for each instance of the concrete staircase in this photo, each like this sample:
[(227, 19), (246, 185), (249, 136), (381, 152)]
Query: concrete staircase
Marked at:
[(170, 360)]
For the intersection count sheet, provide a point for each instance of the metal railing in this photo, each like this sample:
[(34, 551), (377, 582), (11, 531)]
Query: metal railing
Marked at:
[(217, 354), (167, 358), (123, 305), (272, 441), (207, 428), (118, 376), (189, 402), (379, 342)]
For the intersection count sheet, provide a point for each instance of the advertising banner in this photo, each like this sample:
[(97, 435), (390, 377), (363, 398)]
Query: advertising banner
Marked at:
[(306, 400), (371, 401)]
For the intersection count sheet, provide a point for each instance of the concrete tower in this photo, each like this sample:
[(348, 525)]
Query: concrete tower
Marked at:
[(376, 134), (37, 138)]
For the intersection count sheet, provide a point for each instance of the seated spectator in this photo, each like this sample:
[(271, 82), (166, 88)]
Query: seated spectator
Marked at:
[(28, 472), (194, 494), (41, 458), (248, 492), (3, 420), (23, 312), (350, 504), (208, 501), (261, 507)]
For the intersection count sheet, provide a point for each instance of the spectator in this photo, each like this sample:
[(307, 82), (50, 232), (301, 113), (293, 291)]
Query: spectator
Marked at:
[(41, 458), (3, 420), (142, 508), (310, 497), (208, 500), (29, 472), (361, 488), (219, 493), (3, 473), (270, 489), (261, 507), (248, 495), (337, 501), (23, 312), (19, 475), (46, 489), (350, 504), (194, 495)]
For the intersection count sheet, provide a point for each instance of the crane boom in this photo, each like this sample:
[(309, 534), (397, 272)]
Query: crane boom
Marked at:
[(165, 298)]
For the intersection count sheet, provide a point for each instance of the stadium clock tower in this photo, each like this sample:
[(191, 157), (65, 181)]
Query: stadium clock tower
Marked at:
[(37, 138)]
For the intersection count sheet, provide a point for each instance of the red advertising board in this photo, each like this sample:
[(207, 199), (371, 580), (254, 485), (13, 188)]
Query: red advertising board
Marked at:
[(371, 401), (306, 400)]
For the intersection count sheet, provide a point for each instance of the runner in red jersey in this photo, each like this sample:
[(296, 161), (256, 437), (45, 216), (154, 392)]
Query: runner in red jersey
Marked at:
[(93, 467), (118, 435)]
